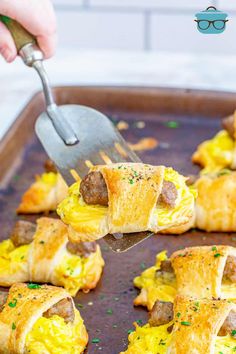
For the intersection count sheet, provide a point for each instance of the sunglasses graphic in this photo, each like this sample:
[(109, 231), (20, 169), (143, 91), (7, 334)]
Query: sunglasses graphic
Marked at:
[(205, 24)]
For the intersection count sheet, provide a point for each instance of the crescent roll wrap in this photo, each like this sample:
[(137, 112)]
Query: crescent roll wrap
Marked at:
[(44, 194), (216, 203), (132, 201), (47, 258), (201, 272), (195, 331), (31, 302)]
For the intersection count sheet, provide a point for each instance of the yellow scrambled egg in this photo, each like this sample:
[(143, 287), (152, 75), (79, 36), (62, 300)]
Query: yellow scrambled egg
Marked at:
[(75, 273), (215, 154), (163, 287), (54, 336), (153, 340), (75, 212), (12, 258)]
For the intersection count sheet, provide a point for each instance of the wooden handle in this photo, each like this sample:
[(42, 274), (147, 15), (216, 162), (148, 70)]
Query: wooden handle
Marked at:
[(20, 35)]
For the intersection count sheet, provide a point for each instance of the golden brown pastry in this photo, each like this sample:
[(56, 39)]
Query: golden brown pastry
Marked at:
[(194, 327), (41, 319), (127, 197), (216, 202), (207, 271), (49, 257), (44, 194)]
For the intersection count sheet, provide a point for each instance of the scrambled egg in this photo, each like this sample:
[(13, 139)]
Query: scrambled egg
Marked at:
[(74, 211), (215, 154), (153, 340), (12, 259), (53, 335), (75, 273), (156, 287)]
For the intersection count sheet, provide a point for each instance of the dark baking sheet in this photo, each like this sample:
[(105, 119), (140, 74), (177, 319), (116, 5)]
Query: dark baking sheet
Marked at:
[(108, 311)]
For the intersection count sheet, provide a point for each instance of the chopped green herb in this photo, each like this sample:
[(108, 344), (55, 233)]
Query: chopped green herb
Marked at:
[(162, 342), (221, 353), (109, 311), (185, 323), (172, 124), (33, 286), (13, 326), (178, 314), (13, 303), (196, 304), (131, 181), (140, 322), (42, 242), (234, 349), (217, 255), (22, 257), (80, 306), (224, 171), (233, 332), (130, 331), (214, 248), (142, 265), (95, 340)]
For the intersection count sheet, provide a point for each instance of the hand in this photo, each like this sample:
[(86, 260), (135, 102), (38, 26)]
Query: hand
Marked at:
[(36, 16)]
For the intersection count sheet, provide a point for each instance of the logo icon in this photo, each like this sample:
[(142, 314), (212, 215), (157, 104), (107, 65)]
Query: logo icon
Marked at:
[(211, 21)]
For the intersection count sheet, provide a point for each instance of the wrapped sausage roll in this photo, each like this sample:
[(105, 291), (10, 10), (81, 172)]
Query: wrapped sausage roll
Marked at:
[(202, 272), (44, 254), (126, 198), (205, 326), (44, 194), (220, 151), (40, 319)]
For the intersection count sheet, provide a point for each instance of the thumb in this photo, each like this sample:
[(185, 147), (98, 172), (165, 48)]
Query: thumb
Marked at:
[(7, 45)]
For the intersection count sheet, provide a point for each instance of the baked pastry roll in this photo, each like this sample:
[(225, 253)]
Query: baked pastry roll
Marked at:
[(216, 203), (43, 254), (202, 272), (220, 151), (44, 194), (126, 198), (205, 326), (40, 319)]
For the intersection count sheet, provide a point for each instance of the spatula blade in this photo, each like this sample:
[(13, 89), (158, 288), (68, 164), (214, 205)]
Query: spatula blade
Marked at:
[(96, 134)]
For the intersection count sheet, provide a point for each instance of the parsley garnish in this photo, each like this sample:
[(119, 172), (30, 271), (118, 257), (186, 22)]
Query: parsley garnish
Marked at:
[(42, 242), (109, 311), (233, 332), (13, 326), (95, 340), (217, 255), (162, 342), (13, 303), (131, 181), (33, 286), (185, 323), (80, 306), (214, 248), (130, 331), (140, 322), (142, 265), (172, 124), (178, 314)]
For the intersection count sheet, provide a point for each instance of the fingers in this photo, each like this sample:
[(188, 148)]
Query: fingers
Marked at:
[(38, 17), (47, 45), (7, 46)]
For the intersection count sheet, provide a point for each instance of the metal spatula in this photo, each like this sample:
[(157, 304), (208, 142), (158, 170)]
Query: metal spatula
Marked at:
[(75, 137)]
